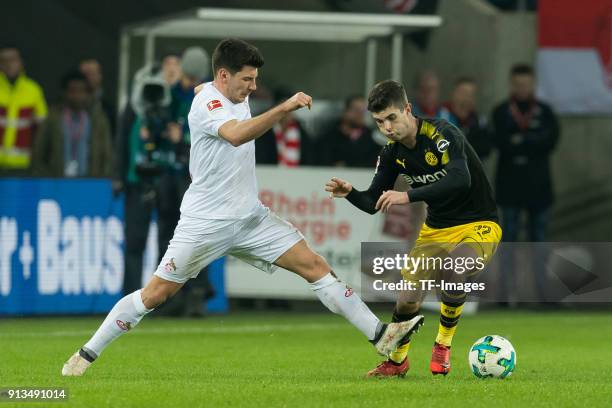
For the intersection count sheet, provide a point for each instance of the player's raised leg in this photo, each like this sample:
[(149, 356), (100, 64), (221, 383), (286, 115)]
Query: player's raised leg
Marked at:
[(340, 298), (124, 316), (187, 253)]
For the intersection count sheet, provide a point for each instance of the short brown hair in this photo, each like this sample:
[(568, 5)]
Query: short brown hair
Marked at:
[(233, 54), (521, 69), (387, 93), (465, 80)]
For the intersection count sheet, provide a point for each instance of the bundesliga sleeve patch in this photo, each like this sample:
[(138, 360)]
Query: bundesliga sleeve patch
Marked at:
[(442, 145), (213, 105)]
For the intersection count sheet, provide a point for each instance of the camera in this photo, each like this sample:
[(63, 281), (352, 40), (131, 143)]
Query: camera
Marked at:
[(150, 100)]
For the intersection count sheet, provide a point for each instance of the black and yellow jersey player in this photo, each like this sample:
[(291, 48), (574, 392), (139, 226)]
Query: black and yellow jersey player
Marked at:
[(442, 170)]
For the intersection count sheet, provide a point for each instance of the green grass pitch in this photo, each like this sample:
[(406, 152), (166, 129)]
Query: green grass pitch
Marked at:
[(295, 360)]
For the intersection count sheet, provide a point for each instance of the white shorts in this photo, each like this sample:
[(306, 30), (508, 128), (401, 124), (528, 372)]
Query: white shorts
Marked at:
[(259, 239)]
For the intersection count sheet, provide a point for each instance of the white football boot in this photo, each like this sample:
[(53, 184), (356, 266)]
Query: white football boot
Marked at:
[(394, 333), (75, 366)]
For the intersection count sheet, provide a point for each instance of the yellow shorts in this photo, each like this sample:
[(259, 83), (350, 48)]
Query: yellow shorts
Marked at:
[(482, 237)]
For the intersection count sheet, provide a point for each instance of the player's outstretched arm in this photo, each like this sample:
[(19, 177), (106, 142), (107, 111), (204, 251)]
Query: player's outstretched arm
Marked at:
[(366, 200), (243, 131)]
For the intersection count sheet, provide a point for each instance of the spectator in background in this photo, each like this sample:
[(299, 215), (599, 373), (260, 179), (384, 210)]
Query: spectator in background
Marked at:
[(462, 113), (350, 142), (75, 140), (194, 69), (171, 68), (22, 109), (525, 132), (91, 68), (427, 101), (287, 143)]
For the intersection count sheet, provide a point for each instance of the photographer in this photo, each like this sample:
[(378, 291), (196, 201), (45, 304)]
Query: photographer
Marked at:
[(147, 169)]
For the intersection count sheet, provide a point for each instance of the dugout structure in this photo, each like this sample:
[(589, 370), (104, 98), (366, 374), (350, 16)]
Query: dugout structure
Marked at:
[(359, 29)]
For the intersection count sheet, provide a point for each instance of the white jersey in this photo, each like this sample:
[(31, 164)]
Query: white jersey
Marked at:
[(223, 183)]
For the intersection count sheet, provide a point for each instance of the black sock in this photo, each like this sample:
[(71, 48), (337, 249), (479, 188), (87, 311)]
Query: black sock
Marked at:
[(379, 332), (400, 317), (87, 354)]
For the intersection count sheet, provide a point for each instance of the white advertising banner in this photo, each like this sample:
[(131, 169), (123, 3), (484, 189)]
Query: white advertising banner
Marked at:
[(334, 228)]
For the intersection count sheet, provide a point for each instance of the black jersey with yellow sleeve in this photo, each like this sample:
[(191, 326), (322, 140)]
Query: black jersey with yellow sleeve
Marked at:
[(442, 170)]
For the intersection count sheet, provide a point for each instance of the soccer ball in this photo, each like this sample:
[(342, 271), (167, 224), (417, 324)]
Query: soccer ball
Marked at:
[(492, 356)]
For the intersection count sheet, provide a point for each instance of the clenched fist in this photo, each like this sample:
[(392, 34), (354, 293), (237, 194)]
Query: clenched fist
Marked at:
[(297, 101)]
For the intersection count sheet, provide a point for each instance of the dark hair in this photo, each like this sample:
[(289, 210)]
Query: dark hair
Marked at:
[(8, 46), (90, 58), (73, 76), (233, 54), (171, 53), (464, 80), (521, 69), (349, 101), (387, 93), (422, 75)]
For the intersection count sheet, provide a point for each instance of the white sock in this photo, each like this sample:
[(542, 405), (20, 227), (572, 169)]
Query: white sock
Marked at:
[(123, 316), (340, 298)]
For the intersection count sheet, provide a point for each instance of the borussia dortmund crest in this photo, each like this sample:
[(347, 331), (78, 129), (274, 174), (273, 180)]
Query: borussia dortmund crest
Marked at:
[(431, 159)]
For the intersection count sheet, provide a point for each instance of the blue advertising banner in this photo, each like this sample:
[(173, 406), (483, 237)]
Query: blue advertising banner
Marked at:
[(61, 246)]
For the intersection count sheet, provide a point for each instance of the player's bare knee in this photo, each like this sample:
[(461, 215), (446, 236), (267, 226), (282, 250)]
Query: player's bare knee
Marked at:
[(313, 267), (153, 298), (321, 265), (318, 266), (154, 295)]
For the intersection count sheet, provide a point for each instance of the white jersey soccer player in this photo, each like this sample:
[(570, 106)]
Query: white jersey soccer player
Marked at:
[(221, 213)]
